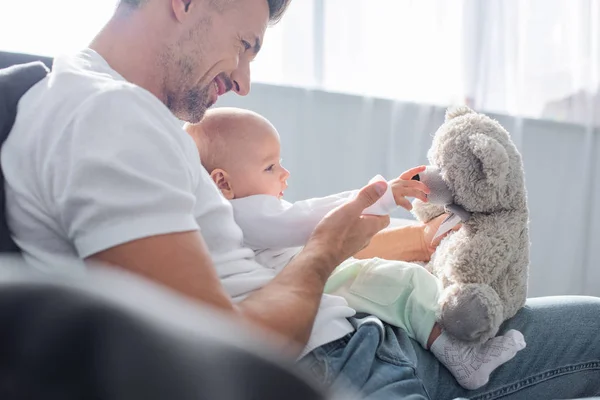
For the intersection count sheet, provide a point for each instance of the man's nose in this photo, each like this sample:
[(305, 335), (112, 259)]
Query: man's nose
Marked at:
[(241, 78)]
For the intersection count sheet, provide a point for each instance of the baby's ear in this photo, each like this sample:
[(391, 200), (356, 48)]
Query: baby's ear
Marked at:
[(221, 179)]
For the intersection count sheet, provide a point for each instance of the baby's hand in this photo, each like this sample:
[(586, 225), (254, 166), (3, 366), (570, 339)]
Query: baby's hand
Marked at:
[(403, 187)]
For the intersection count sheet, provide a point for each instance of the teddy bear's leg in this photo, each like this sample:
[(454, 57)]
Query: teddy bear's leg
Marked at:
[(425, 212), (471, 312)]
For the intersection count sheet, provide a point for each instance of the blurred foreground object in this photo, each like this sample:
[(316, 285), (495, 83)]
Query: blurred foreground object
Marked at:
[(110, 335)]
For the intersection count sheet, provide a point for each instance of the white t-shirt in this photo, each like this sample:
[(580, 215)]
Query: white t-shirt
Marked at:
[(277, 230), (94, 161)]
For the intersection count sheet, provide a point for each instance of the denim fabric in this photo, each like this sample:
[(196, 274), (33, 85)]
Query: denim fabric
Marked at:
[(561, 361)]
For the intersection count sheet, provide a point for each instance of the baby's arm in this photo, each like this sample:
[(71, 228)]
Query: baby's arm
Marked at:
[(268, 222)]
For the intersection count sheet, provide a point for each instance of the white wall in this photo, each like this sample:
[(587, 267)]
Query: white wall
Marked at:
[(334, 142)]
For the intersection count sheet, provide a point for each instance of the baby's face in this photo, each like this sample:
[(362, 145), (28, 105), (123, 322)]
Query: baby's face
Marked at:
[(259, 170)]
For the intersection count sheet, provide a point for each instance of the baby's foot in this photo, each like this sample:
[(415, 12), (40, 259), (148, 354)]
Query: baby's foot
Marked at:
[(472, 364)]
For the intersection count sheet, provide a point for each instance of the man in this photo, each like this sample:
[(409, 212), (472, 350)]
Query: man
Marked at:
[(98, 168), (104, 171)]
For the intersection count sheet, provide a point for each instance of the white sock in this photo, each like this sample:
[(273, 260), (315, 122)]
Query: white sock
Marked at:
[(472, 364)]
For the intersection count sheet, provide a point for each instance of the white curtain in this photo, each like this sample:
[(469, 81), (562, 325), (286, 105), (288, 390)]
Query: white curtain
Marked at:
[(409, 50), (535, 58), (532, 58), (50, 27)]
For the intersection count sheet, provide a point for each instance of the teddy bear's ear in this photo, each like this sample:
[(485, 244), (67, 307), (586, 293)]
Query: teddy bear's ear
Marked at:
[(454, 112), (492, 155)]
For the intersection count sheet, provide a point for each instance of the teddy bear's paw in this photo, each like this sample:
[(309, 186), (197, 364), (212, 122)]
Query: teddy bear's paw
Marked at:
[(471, 312)]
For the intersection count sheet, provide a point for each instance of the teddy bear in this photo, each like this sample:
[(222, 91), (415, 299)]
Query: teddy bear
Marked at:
[(476, 176)]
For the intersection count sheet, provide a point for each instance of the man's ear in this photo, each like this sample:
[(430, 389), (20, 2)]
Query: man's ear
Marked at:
[(221, 179), (181, 8)]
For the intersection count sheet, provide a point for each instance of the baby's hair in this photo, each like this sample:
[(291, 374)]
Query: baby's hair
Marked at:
[(218, 135), (211, 145)]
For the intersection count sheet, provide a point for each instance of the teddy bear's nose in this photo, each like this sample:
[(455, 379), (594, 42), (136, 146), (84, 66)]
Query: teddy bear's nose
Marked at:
[(416, 178)]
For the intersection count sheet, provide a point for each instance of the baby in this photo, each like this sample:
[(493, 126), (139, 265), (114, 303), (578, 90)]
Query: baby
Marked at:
[(241, 151)]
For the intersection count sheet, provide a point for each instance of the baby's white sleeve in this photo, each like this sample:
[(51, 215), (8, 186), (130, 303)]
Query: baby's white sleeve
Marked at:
[(268, 222)]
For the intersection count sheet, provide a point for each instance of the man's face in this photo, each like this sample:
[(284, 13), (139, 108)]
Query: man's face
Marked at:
[(212, 54)]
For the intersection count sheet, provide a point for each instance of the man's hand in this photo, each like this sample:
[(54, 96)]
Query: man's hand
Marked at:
[(345, 231), (403, 187), (290, 302), (430, 230)]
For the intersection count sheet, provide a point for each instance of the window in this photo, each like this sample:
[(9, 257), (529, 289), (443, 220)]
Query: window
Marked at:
[(525, 57), (50, 27), (535, 58)]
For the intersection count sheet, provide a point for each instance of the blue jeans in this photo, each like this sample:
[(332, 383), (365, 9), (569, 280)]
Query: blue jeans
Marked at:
[(561, 360)]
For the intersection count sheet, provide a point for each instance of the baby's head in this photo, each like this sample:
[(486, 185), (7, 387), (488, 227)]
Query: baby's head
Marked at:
[(241, 151)]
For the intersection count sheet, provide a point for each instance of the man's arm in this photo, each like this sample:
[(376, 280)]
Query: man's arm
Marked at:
[(406, 243), (177, 260), (180, 261), (288, 304)]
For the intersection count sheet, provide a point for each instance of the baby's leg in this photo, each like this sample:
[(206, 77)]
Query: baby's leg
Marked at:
[(472, 363), (399, 293), (406, 295)]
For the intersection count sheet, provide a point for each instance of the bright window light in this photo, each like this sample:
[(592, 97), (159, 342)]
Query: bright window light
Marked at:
[(51, 27)]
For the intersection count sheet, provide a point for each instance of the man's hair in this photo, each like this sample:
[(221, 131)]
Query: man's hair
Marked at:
[(131, 3), (276, 7)]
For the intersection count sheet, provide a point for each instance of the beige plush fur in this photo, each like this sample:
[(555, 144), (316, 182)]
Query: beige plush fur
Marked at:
[(484, 265)]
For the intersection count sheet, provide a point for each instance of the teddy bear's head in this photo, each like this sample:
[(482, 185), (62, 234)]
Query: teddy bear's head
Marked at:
[(478, 163)]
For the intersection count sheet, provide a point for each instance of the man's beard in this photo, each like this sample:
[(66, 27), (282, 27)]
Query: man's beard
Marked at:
[(191, 105)]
